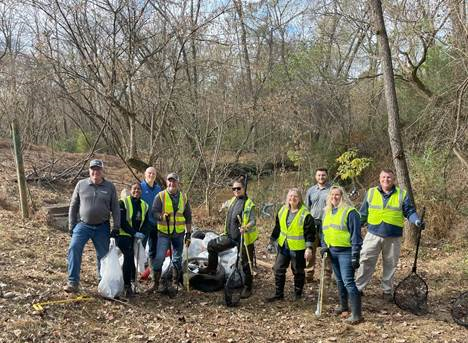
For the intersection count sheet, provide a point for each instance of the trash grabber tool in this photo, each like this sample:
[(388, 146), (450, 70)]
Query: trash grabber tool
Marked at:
[(137, 263), (318, 311), (246, 250), (39, 307), (186, 272)]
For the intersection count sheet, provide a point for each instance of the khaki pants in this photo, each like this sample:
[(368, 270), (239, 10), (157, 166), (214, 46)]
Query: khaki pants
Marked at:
[(371, 248)]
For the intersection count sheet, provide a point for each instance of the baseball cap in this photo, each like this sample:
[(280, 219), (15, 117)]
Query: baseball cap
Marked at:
[(96, 164), (172, 176)]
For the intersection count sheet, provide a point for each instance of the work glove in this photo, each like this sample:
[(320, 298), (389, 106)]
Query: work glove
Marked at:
[(187, 239), (308, 254), (165, 216), (272, 248), (114, 233), (355, 260), (139, 235), (112, 243), (420, 224), (324, 250)]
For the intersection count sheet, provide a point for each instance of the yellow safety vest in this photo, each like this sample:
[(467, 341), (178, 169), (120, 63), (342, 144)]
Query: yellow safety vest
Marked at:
[(294, 233), (168, 208), (392, 213), (335, 228), (251, 234), (129, 213)]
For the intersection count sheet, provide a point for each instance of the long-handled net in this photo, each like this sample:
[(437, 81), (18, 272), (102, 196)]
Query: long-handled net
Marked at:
[(234, 283), (411, 293), (460, 310)]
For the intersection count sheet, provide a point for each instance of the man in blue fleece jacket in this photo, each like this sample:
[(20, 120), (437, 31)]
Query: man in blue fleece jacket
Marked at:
[(384, 209)]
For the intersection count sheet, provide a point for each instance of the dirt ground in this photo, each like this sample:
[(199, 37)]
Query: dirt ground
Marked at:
[(33, 270)]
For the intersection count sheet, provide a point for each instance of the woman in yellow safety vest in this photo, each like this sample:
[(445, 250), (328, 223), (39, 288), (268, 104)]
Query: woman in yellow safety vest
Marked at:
[(134, 225), (294, 233), (240, 206), (342, 240)]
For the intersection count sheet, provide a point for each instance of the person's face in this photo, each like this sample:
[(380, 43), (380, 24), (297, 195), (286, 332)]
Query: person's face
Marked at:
[(135, 191), (321, 177), (172, 185), (293, 200), (150, 175), (96, 175), (238, 189), (387, 181), (335, 196)]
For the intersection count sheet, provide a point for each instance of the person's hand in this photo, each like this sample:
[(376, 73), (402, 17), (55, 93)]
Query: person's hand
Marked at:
[(355, 260), (70, 230), (139, 235), (308, 254), (187, 239), (114, 233), (420, 224), (271, 248), (165, 216), (324, 250)]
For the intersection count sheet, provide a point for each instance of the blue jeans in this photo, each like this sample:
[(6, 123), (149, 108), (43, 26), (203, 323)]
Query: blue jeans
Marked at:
[(99, 234), (344, 272), (163, 244)]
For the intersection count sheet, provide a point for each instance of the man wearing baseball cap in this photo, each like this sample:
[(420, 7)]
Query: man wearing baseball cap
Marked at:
[(92, 202), (172, 212)]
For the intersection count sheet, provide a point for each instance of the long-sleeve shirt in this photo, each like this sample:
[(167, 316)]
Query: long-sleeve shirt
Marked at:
[(92, 204), (148, 194), (316, 199), (157, 207), (354, 228), (309, 228), (136, 225), (231, 218), (385, 229)]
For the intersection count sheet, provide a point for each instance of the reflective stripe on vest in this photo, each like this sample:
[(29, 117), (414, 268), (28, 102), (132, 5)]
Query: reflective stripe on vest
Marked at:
[(335, 228), (251, 234), (294, 234), (168, 208), (129, 214), (392, 213)]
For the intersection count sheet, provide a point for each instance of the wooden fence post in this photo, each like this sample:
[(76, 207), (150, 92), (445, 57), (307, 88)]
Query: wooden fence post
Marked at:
[(20, 169)]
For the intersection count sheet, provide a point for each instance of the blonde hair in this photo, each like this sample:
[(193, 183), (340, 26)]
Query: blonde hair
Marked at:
[(299, 195), (343, 202)]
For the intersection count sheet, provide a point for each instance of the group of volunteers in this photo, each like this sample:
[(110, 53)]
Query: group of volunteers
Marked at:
[(160, 216)]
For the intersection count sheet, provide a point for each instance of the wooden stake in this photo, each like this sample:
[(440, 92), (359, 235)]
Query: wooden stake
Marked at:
[(20, 169)]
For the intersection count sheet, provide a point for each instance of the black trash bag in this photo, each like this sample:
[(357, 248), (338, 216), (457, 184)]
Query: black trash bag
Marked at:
[(205, 282), (233, 288), (459, 310)]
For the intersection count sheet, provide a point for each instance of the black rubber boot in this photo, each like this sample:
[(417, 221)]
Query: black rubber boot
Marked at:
[(212, 265), (356, 311), (343, 307), (280, 280)]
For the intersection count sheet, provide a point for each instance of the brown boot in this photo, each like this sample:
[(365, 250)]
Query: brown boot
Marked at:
[(155, 283)]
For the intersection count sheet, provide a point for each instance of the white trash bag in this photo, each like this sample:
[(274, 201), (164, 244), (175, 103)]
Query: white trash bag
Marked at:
[(112, 283), (139, 255)]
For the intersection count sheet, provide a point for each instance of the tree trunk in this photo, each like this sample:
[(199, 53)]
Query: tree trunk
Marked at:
[(396, 143)]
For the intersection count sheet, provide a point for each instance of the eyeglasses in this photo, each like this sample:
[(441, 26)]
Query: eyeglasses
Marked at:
[(236, 189)]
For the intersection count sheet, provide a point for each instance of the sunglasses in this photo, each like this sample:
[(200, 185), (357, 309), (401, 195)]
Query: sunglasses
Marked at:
[(236, 188)]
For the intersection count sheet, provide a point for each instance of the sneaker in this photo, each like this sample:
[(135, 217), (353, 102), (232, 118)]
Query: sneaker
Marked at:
[(340, 311), (274, 298), (71, 288)]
